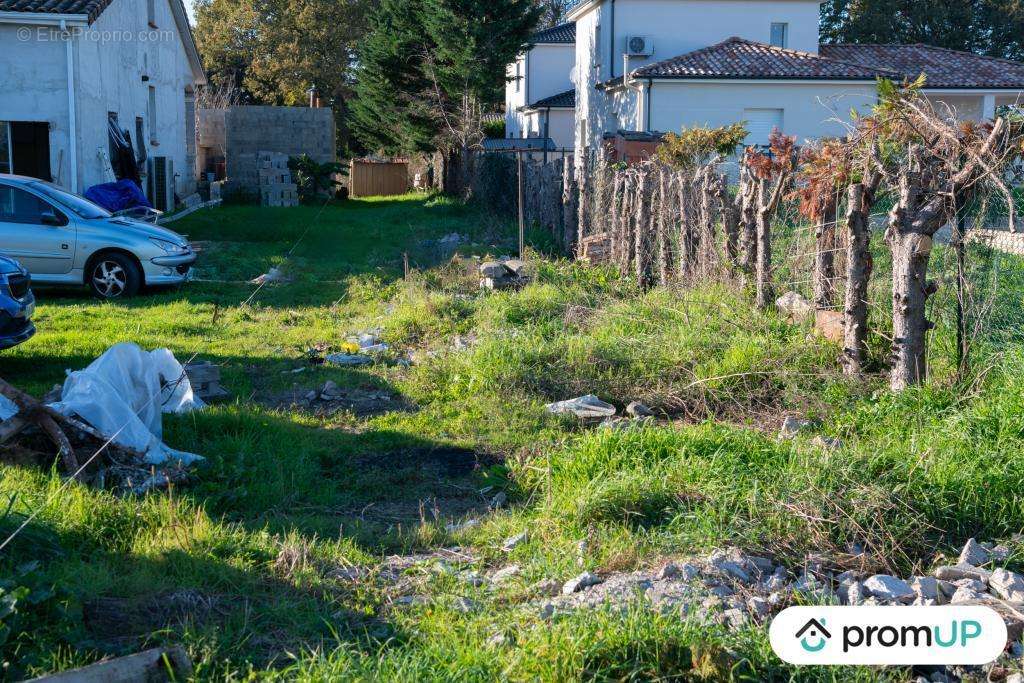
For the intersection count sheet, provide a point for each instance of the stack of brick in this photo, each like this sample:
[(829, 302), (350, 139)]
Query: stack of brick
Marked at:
[(275, 180)]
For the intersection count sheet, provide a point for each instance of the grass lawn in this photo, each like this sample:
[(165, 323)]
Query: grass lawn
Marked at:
[(258, 565)]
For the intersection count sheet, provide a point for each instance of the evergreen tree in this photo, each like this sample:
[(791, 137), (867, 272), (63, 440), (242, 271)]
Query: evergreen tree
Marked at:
[(429, 67), (989, 27)]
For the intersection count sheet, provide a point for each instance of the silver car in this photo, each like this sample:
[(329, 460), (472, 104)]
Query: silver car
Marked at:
[(62, 238)]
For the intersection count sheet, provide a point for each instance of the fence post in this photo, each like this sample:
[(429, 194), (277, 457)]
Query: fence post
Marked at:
[(522, 220), (569, 210)]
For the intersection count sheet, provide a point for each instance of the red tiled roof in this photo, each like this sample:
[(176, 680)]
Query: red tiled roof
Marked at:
[(90, 8), (741, 59), (943, 68)]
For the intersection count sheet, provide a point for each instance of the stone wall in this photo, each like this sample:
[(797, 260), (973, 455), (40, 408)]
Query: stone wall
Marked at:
[(247, 131)]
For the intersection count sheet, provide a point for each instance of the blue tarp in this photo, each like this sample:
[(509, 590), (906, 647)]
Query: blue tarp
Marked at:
[(124, 194)]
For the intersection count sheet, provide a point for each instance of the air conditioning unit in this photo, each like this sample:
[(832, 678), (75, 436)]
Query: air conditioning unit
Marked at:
[(160, 183), (639, 46)]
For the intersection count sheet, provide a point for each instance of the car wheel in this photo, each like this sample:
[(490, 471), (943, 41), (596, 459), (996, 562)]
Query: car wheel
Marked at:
[(114, 276)]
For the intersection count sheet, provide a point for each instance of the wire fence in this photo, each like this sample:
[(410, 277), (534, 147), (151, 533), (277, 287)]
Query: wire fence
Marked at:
[(665, 226)]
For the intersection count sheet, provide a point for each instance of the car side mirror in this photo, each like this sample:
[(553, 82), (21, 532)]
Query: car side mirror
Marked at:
[(51, 218)]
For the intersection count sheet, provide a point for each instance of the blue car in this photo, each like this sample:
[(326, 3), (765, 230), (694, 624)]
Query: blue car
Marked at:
[(17, 304)]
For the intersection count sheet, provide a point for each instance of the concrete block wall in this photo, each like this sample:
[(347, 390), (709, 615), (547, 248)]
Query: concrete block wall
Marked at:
[(291, 131)]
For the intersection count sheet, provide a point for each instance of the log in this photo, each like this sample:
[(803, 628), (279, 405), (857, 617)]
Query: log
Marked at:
[(158, 664), (47, 420)]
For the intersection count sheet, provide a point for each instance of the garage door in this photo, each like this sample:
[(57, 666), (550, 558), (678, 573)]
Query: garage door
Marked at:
[(760, 123)]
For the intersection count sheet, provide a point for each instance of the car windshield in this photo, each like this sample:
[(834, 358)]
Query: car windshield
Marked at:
[(80, 206)]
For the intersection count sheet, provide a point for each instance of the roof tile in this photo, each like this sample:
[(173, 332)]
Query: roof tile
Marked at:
[(561, 34), (91, 8), (943, 68), (741, 58)]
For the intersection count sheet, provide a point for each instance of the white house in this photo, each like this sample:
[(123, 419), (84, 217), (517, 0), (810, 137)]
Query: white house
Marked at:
[(67, 67), (653, 66), (540, 97)]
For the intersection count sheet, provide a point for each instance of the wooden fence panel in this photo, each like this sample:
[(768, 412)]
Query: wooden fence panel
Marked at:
[(371, 179)]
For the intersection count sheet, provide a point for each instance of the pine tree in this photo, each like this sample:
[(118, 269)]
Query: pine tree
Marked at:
[(429, 67)]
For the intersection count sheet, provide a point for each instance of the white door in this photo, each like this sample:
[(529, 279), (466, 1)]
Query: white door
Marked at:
[(760, 123)]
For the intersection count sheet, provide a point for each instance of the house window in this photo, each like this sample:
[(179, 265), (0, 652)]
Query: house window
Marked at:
[(780, 34), (519, 75), (6, 162), (152, 115), (151, 12)]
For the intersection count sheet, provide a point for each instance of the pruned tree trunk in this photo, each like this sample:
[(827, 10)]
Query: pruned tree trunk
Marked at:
[(910, 240), (570, 214), (583, 190), (748, 221), (825, 259), (859, 265), (730, 220), (661, 208), (641, 260), (763, 263), (614, 222)]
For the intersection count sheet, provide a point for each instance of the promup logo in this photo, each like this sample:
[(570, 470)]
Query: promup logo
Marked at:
[(965, 635), (814, 631)]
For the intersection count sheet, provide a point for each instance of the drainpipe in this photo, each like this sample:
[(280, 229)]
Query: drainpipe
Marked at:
[(72, 114), (611, 43), (547, 132), (650, 90)]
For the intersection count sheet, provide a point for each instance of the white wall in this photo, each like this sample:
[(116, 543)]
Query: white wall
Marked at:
[(676, 27), (33, 80), (110, 58), (515, 97), (809, 110), (548, 71), (591, 106), (560, 124), (110, 80), (681, 26)]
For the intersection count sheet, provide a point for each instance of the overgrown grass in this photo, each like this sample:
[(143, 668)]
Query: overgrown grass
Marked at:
[(241, 565)]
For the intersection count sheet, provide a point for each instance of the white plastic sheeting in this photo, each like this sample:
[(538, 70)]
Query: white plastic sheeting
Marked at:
[(123, 394)]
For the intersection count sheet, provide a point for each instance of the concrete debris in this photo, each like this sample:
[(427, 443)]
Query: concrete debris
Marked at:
[(974, 554), (505, 274), (272, 277), (830, 325), (827, 443), (1007, 585), (350, 360), (156, 665), (514, 542), (588, 407), (205, 380), (794, 307), (962, 571), (505, 573), (792, 426), (890, 588), (581, 582), (637, 409)]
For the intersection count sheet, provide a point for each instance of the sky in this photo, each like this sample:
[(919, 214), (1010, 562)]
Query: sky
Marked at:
[(191, 11)]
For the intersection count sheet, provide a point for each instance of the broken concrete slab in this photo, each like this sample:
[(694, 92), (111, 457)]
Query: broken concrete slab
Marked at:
[(158, 664), (587, 407)]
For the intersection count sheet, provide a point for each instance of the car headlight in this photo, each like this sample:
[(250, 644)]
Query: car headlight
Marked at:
[(169, 247)]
